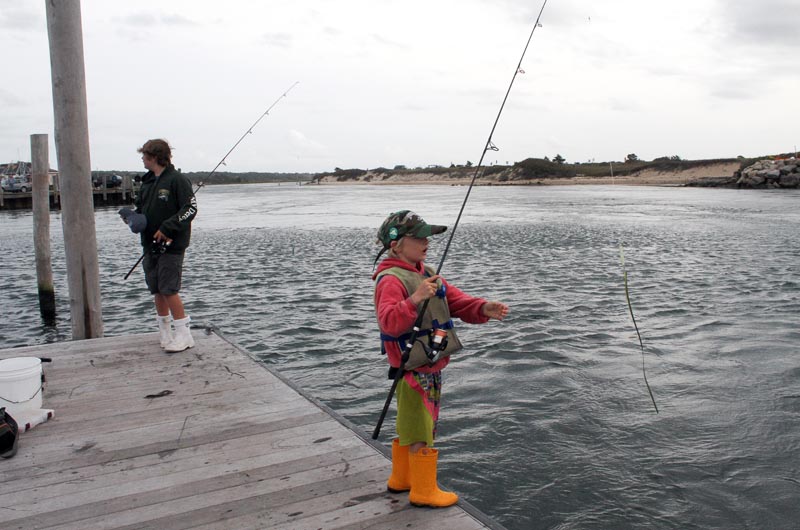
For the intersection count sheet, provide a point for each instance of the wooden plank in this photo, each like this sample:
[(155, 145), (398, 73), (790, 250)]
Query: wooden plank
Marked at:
[(154, 493), (289, 443), (248, 400), (132, 511), (242, 516), (372, 512), (253, 456), (130, 383), (102, 450), (91, 454), (80, 350), (155, 417), (79, 408), (366, 506), (111, 370)]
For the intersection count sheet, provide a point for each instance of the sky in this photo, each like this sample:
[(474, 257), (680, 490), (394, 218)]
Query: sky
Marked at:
[(388, 82)]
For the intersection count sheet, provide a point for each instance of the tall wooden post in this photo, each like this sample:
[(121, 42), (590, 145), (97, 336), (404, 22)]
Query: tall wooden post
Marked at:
[(40, 176), (74, 166)]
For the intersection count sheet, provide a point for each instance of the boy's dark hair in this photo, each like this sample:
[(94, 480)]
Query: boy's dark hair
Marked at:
[(158, 149)]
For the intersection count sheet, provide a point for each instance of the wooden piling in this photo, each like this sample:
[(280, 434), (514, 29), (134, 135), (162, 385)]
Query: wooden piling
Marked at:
[(40, 196), (56, 190), (126, 187), (68, 79)]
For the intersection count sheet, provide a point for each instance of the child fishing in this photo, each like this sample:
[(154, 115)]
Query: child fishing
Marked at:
[(403, 284)]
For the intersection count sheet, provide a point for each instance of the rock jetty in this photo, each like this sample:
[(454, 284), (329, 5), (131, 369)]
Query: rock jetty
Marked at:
[(763, 174), (770, 174)]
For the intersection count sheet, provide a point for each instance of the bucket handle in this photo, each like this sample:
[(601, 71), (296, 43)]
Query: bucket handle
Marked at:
[(24, 400)]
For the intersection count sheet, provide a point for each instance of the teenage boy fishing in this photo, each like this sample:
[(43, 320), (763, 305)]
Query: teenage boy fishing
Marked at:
[(167, 202), (402, 285)]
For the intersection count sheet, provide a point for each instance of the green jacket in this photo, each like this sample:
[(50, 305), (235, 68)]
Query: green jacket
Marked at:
[(168, 203)]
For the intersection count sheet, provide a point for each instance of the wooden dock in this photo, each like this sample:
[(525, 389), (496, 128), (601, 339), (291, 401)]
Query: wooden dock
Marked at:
[(208, 438), (100, 197)]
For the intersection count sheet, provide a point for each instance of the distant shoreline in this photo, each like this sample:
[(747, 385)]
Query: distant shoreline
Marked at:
[(646, 177)]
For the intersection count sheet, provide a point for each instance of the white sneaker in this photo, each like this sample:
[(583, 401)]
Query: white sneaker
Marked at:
[(182, 339), (165, 328)]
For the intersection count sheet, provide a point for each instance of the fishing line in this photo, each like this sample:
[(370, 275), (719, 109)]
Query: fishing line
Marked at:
[(636, 327), (222, 161), (488, 147)]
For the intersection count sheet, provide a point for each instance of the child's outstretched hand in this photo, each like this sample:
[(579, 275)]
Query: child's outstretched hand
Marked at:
[(496, 310)]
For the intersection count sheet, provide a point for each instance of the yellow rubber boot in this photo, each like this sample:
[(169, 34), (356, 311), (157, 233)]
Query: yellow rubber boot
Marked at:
[(424, 488), (399, 482)]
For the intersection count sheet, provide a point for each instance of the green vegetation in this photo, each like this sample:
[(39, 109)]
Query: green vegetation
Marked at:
[(542, 168), (538, 168)]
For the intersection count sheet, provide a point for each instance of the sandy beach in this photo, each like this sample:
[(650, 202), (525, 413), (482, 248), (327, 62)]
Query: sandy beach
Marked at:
[(641, 178)]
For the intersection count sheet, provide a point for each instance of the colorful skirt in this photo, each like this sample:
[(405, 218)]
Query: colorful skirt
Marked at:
[(418, 397)]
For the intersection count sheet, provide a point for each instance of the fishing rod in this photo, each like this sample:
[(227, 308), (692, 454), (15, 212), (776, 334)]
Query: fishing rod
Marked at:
[(421, 312), (162, 248)]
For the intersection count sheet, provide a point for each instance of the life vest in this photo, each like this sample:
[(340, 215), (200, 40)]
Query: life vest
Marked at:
[(437, 316)]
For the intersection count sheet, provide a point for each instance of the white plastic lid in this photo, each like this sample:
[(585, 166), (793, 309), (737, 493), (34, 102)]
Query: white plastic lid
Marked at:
[(19, 363)]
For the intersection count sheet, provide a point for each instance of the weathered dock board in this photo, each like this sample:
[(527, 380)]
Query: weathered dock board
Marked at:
[(206, 438)]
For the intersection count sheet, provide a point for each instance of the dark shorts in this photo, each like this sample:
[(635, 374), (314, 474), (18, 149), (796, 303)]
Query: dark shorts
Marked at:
[(162, 272)]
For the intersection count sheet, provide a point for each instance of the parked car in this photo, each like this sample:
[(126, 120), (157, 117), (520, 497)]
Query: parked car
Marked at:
[(112, 181), (17, 183)]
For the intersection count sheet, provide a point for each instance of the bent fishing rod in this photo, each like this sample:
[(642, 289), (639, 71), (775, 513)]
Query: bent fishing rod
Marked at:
[(421, 312), (222, 162)]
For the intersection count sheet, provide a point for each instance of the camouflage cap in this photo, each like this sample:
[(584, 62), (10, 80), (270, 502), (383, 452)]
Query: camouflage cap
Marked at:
[(405, 223)]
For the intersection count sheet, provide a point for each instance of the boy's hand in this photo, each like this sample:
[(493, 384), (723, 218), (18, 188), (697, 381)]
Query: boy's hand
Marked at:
[(496, 310), (159, 236), (427, 289)]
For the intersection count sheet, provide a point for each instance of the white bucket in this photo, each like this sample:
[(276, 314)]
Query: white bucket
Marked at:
[(21, 384)]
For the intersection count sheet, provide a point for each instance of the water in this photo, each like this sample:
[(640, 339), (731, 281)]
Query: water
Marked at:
[(546, 422)]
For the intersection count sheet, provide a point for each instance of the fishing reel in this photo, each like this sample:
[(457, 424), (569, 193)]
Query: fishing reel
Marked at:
[(159, 247), (437, 343)]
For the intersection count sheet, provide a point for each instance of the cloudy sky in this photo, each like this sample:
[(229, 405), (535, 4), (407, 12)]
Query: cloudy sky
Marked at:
[(386, 82)]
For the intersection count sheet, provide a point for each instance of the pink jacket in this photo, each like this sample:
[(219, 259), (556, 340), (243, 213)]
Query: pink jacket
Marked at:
[(397, 313)]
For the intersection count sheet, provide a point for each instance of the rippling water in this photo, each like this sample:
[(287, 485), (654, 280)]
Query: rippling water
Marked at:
[(546, 421)]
